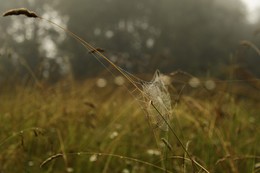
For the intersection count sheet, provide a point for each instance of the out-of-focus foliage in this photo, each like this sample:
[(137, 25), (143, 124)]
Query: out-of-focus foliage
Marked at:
[(250, 59), (191, 35), (24, 52), (139, 35)]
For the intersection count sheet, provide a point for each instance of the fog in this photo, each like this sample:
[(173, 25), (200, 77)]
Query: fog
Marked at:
[(200, 37)]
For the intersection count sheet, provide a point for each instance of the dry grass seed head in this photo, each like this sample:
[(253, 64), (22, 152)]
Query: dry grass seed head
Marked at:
[(20, 11), (97, 50)]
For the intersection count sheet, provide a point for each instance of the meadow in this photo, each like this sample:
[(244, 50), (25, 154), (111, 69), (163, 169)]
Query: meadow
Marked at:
[(107, 123), (80, 127)]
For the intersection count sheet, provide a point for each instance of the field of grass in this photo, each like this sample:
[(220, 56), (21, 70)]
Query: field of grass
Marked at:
[(74, 126), (79, 127)]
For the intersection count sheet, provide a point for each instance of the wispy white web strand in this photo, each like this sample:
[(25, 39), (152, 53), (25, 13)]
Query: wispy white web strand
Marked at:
[(157, 93)]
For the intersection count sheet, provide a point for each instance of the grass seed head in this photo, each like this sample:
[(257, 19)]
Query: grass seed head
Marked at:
[(20, 11), (97, 50)]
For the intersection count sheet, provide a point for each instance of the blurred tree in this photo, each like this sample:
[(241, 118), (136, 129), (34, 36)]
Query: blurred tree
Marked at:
[(146, 34), (28, 40), (247, 54), (202, 34), (139, 35)]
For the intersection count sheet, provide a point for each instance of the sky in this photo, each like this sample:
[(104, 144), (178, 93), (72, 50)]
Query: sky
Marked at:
[(252, 6)]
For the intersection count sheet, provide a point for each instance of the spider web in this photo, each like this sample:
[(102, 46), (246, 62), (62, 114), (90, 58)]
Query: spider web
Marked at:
[(156, 96)]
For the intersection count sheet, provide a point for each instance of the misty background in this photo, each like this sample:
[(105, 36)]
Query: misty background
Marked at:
[(201, 37)]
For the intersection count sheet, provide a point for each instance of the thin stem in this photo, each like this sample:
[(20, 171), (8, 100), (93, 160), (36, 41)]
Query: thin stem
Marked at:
[(90, 47), (178, 139), (104, 154)]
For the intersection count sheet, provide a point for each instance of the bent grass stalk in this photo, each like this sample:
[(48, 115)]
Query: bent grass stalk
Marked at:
[(178, 139), (252, 45), (129, 77), (35, 130), (104, 154)]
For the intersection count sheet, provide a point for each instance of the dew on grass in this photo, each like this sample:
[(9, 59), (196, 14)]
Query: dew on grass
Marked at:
[(93, 158), (70, 169), (119, 80), (194, 82), (153, 152), (30, 163), (101, 82), (113, 135), (125, 170), (210, 84)]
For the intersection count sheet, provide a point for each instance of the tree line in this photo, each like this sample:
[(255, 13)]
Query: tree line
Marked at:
[(200, 37)]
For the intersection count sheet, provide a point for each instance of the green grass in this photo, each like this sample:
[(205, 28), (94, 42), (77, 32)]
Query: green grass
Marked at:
[(69, 117), (77, 127)]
